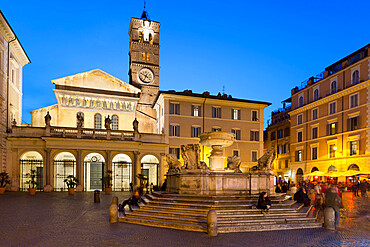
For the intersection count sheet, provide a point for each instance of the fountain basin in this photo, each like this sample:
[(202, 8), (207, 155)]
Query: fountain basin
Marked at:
[(220, 139)]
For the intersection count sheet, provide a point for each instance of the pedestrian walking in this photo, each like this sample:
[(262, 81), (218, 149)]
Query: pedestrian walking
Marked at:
[(355, 188), (332, 200), (363, 188), (131, 187), (151, 188)]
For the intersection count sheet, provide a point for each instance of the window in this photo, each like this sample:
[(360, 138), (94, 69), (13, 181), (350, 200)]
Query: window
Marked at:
[(216, 129), (254, 156), (174, 130), (115, 122), (78, 113), (196, 110), (143, 56), (314, 132), (332, 149), (353, 148), (147, 57), (175, 151), (299, 118), (97, 121), (353, 100), (332, 107), (195, 131), (314, 153), (279, 149), (235, 114), (355, 77), (216, 112), (273, 137), (280, 133), (353, 123), (300, 101), (332, 128), (235, 152), (333, 87), (286, 163), (298, 155), (286, 148), (255, 135), (286, 132), (175, 108), (237, 133), (316, 94), (299, 136), (254, 116), (315, 114)]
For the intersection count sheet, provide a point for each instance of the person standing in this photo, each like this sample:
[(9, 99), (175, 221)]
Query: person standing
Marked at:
[(318, 196), (363, 188), (355, 188), (332, 200)]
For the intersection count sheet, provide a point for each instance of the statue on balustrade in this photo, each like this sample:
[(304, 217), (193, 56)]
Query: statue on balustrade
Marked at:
[(233, 163), (265, 162), (47, 119), (135, 125), (80, 120), (107, 123), (191, 156)]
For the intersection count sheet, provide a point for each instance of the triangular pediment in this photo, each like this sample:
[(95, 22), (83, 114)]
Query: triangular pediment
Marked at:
[(96, 79)]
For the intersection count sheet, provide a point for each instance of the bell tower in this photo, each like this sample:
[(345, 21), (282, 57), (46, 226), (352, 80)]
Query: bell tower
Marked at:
[(144, 60)]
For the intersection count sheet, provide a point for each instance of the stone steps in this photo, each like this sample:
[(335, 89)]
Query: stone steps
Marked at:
[(158, 223), (186, 213), (218, 201), (214, 197)]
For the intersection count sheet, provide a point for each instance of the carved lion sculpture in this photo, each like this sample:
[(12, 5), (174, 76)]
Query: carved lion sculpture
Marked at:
[(265, 162), (233, 163), (173, 164)]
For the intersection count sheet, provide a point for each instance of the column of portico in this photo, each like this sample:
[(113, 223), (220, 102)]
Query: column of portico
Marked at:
[(79, 168), (136, 168), (162, 169), (48, 167), (108, 162)]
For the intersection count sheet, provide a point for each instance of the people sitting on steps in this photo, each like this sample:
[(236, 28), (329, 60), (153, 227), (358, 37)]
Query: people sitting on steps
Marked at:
[(302, 197), (132, 201), (264, 203), (278, 189)]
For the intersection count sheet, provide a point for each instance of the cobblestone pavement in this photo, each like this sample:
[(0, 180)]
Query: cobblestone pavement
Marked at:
[(57, 219)]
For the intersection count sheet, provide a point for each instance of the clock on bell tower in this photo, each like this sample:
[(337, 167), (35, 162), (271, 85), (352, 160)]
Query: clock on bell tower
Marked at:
[(144, 57)]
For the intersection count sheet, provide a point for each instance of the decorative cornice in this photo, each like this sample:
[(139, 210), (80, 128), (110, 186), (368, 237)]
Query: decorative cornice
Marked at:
[(332, 97)]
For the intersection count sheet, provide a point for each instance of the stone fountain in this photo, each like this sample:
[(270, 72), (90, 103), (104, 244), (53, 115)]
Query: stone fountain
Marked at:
[(195, 177)]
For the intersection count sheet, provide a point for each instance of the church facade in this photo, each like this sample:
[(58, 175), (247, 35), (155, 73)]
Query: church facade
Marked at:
[(102, 123)]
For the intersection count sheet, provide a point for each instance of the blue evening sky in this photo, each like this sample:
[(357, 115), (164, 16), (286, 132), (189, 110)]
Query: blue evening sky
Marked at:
[(258, 50)]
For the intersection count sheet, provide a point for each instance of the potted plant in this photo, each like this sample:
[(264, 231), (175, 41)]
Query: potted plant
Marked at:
[(107, 181), (142, 179), (32, 182), (4, 180), (71, 182)]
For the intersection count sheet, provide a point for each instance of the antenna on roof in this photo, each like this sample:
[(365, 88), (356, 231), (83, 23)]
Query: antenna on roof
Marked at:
[(145, 15), (223, 89)]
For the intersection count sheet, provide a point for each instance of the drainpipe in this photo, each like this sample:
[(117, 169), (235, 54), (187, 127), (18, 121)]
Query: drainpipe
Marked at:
[(203, 126), (7, 87)]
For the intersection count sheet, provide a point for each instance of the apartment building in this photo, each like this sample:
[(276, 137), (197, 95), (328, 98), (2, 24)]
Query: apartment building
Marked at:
[(330, 128), (183, 116)]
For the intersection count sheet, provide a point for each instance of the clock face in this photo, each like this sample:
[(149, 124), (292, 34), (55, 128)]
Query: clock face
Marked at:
[(146, 75)]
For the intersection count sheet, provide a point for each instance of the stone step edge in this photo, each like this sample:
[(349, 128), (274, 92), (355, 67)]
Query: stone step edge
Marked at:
[(166, 194), (273, 221), (149, 211), (162, 224), (165, 218), (278, 227), (156, 198)]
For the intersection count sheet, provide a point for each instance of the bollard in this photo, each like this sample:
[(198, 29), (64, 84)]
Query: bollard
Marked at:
[(113, 211), (97, 196), (212, 223), (115, 200), (329, 218)]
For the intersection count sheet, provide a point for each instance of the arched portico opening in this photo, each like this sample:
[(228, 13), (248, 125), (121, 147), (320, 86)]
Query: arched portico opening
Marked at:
[(150, 168), (31, 160), (329, 179), (93, 171), (314, 169), (64, 165), (121, 172), (299, 175)]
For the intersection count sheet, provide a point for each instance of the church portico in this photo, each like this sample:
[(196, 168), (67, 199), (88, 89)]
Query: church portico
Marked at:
[(56, 152)]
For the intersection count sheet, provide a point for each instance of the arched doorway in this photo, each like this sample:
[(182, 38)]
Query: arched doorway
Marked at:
[(64, 165), (121, 172), (314, 169), (332, 180), (150, 168), (94, 171), (31, 161), (354, 167), (299, 175), (353, 179)]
